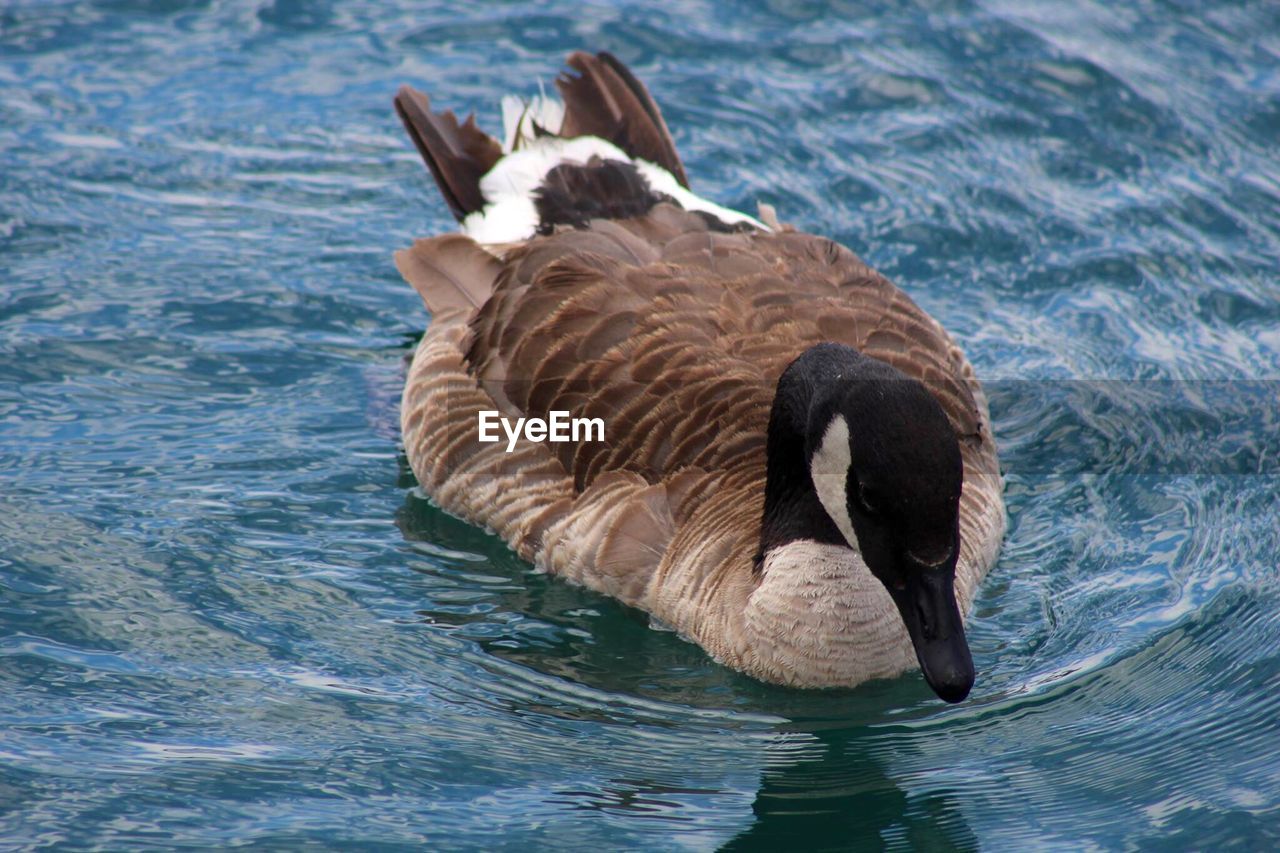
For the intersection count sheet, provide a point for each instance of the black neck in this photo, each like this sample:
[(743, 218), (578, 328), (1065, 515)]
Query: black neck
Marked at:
[(804, 403)]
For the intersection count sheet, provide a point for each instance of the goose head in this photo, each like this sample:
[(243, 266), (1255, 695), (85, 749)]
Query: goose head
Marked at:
[(861, 454)]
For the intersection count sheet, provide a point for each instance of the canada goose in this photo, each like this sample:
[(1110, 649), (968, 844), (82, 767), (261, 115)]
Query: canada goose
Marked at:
[(797, 470)]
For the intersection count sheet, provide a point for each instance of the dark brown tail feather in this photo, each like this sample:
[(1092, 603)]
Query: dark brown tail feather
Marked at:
[(606, 100), (458, 155)]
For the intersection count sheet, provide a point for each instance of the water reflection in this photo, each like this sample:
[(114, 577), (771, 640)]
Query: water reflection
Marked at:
[(567, 653), (836, 795)]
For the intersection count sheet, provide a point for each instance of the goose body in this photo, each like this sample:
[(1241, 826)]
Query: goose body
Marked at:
[(797, 471)]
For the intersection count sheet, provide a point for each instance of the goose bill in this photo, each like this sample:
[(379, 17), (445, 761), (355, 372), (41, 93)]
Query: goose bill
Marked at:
[(927, 603)]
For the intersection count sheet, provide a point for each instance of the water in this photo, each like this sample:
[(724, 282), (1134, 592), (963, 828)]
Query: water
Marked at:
[(225, 616)]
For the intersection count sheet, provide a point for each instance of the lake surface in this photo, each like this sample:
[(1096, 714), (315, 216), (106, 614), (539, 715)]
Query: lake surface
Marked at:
[(226, 617)]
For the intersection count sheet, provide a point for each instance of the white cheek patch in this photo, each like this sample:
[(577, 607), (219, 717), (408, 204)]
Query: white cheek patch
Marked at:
[(829, 469)]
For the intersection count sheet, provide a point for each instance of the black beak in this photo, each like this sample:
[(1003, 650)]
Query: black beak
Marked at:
[(927, 602)]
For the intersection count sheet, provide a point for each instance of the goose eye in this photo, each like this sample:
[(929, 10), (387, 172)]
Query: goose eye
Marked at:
[(869, 498)]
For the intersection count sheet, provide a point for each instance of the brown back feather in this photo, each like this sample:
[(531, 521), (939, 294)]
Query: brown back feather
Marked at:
[(678, 358), (449, 272)]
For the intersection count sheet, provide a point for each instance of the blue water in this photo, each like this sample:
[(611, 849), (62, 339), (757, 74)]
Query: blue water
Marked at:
[(226, 617)]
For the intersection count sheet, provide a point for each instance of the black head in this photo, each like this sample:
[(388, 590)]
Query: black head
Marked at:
[(886, 466)]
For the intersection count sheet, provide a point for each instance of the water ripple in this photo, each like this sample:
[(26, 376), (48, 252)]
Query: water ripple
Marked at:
[(225, 617)]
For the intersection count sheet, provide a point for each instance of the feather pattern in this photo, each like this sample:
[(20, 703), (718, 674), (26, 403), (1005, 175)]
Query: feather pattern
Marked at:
[(674, 331), (449, 272), (675, 335)]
